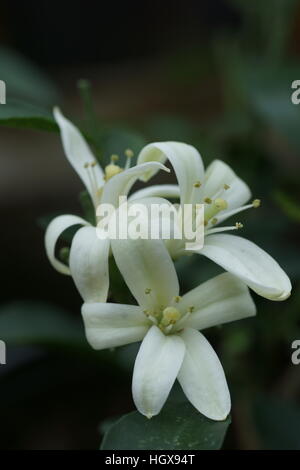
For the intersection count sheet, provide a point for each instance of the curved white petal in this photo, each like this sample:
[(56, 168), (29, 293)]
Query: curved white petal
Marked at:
[(202, 377), (220, 300), (54, 230), (89, 264), (157, 190), (186, 161), (219, 174), (112, 325), (250, 263), (148, 271), (155, 370), (78, 152), (120, 184)]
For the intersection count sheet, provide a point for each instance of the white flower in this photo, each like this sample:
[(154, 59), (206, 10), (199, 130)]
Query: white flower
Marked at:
[(224, 195), (89, 255), (167, 325)]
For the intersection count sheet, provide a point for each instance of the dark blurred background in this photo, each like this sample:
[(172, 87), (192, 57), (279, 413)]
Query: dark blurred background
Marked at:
[(216, 74)]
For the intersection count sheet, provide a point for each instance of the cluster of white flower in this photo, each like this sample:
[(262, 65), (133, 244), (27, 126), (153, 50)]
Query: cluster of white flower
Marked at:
[(167, 324)]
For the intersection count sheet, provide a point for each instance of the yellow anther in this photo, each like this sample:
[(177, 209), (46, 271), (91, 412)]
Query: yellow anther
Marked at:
[(239, 225), (226, 186), (94, 163), (177, 298), (114, 158), (129, 153), (220, 204), (112, 170), (214, 221), (146, 312), (256, 203), (147, 290), (191, 309), (170, 316), (208, 200), (197, 184)]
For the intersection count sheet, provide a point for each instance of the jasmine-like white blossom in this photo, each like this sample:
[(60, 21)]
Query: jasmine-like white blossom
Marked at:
[(167, 324), (88, 263), (224, 194)]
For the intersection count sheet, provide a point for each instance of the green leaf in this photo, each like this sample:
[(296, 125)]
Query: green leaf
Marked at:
[(23, 115), (24, 80), (177, 427), (36, 323)]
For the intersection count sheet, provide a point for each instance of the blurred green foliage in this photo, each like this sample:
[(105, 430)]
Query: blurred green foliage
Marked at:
[(255, 128)]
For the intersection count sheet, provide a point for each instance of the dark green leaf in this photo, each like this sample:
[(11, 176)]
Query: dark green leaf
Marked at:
[(23, 115), (177, 427), (37, 323)]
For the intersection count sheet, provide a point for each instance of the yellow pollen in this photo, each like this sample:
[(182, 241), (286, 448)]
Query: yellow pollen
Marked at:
[(197, 184), (208, 200), (170, 316), (214, 221), (177, 299), (129, 153), (220, 204), (112, 170), (114, 158), (93, 164), (256, 203), (147, 290), (226, 186), (239, 225)]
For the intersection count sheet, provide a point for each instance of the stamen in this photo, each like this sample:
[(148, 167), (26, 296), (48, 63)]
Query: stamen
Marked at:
[(214, 221), (191, 309), (148, 290), (208, 200), (129, 155), (237, 226), (114, 158), (177, 299), (112, 170), (197, 184), (226, 186), (255, 204), (217, 206)]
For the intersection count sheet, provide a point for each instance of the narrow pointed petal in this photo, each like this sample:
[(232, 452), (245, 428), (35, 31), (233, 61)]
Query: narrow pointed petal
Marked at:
[(155, 370), (54, 230), (219, 174), (112, 325), (157, 190), (89, 264), (120, 184), (78, 152), (148, 271), (202, 377), (250, 263), (220, 300), (186, 161)]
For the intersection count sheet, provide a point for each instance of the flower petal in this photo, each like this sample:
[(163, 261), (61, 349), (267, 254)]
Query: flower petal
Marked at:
[(202, 377), (54, 230), (250, 263), (157, 190), (155, 370), (148, 271), (89, 264), (220, 300), (186, 161), (219, 174), (78, 152), (120, 184), (112, 325)]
